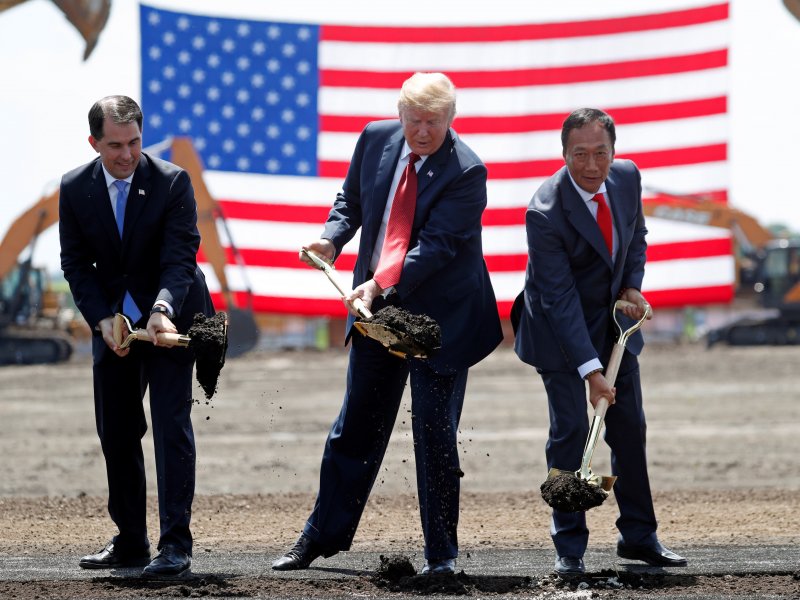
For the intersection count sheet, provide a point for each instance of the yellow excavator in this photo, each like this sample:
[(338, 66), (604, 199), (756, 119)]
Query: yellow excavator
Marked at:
[(768, 268), (35, 326)]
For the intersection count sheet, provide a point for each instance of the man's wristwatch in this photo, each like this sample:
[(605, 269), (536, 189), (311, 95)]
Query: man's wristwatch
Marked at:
[(158, 308), (590, 373)]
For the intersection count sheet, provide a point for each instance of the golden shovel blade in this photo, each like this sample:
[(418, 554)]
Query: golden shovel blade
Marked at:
[(604, 482), (397, 343)]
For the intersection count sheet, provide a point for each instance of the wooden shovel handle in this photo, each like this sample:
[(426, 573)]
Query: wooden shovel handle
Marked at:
[(333, 277), (164, 338), (611, 377)]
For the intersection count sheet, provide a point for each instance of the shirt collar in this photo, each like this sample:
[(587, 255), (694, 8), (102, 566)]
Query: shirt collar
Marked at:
[(587, 196), (407, 151), (110, 179)]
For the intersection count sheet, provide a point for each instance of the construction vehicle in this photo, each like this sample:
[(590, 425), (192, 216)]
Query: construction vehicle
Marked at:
[(768, 269), (34, 323)]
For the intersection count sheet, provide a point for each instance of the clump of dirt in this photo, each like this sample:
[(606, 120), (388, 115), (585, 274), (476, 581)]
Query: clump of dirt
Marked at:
[(422, 329), (396, 573), (569, 493), (209, 342), (393, 568)]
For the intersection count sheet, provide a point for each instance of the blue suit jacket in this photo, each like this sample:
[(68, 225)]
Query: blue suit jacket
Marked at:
[(444, 274), (570, 283), (154, 259)]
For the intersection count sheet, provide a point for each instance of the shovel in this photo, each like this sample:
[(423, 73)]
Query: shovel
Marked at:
[(208, 340), (397, 343), (121, 323), (604, 482)]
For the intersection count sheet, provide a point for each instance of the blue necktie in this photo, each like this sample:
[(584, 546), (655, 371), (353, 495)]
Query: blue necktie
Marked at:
[(128, 305)]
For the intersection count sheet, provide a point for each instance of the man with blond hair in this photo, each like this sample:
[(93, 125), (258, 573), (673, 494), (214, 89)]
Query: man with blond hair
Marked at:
[(417, 193)]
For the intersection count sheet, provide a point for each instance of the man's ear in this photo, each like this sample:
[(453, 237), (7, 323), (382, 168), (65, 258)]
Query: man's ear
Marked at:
[(93, 143)]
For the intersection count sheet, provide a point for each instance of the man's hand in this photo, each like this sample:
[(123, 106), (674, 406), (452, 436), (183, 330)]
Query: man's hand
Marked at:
[(107, 330), (158, 323), (367, 291), (634, 296), (322, 248), (599, 388)]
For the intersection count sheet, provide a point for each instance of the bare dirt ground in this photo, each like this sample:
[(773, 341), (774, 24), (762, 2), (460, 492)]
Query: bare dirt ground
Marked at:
[(723, 447)]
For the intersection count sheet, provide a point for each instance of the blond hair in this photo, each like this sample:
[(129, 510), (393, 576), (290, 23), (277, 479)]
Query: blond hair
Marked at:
[(429, 92)]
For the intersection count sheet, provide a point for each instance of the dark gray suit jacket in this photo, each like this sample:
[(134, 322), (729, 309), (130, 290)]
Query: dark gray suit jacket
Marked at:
[(571, 283), (154, 259), (444, 274)]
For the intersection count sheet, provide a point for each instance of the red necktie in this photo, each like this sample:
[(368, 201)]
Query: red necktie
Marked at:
[(604, 221), (398, 229)]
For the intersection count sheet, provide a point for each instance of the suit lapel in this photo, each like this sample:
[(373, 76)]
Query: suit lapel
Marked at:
[(616, 201), (581, 218), (435, 163), (101, 201), (384, 173), (137, 196)]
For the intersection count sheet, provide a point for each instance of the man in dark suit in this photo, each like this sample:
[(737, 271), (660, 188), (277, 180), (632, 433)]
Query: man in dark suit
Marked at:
[(586, 245), (128, 227), (439, 272)]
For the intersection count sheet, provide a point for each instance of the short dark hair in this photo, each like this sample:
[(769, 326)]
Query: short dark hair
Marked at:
[(121, 109), (584, 116)]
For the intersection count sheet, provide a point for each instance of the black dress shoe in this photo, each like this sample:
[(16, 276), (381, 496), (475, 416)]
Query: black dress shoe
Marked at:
[(439, 567), (653, 554), (302, 554), (171, 562), (569, 565), (111, 557)]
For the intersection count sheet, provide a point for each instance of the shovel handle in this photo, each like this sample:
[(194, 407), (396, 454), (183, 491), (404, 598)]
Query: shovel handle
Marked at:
[(611, 377), (165, 338), (333, 277)]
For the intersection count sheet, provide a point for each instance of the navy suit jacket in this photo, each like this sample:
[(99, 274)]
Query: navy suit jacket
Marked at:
[(156, 257), (444, 275), (571, 284)]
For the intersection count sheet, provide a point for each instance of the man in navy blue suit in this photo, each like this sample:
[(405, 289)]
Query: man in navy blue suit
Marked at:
[(441, 274), (128, 228), (576, 271)]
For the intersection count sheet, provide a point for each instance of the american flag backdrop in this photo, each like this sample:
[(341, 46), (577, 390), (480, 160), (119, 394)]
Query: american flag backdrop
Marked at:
[(275, 108)]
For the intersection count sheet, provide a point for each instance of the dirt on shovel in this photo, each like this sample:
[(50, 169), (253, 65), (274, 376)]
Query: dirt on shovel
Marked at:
[(422, 329), (569, 493), (209, 342)]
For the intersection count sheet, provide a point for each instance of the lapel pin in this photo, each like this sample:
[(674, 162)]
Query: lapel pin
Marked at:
[(141, 192), (430, 173)]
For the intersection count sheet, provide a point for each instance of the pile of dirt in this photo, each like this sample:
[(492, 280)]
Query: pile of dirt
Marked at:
[(569, 493), (209, 342), (421, 329)]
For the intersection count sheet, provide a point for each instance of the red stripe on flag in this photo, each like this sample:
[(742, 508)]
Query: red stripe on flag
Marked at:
[(506, 263), (278, 259), (314, 307), (265, 211), (678, 297), (678, 156), (514, 215), (686, 200), (690, 249), (625, 115), (647, 67), (542, 31)]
